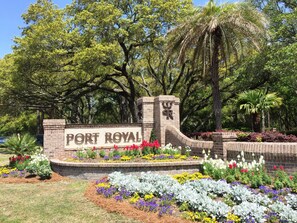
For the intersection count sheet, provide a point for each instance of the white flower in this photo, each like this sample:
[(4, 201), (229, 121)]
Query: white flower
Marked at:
[(242, 153)]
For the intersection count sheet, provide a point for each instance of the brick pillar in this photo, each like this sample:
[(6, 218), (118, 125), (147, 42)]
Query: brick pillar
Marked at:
[(218, 143), (53, 141), (166, 113), (146, 115)]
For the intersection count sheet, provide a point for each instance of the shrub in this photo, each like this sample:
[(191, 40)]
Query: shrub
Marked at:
[(265, 137), (18, 161), (86, 154), (22, 145), (102, 153), (40, 166)]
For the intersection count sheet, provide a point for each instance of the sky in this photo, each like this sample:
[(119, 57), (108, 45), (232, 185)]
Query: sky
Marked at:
[(11, 20)]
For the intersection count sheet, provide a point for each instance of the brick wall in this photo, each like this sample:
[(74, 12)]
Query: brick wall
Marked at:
[(176, 138), (284, 154), (54, 137), (96, 171), (225, 147)]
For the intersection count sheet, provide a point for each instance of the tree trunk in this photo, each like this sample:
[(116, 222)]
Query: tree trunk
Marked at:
[(256, 122), (268, 120), (214, 73), (263, 121)]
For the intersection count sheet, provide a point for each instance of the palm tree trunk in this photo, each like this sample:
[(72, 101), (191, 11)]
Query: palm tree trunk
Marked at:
[(214, 73), (256, 122), (263, 121), (268, 120)]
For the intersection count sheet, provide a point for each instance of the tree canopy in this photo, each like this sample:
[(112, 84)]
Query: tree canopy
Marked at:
[(91, 61)]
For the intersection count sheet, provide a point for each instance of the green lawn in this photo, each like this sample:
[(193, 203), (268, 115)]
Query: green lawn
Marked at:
[(62, 201), (4, 157)]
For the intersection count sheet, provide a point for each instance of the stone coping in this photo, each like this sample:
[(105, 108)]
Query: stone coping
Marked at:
[(126, 164), (84, 126)]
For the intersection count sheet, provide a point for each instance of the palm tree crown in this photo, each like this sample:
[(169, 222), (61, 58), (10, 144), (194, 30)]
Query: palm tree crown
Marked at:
[(255, 102), (213, 34)]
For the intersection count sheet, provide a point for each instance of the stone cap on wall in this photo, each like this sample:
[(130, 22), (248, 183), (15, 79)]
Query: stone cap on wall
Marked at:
[(263, 147), (102, 125), (167, 98), (54, 122), (146, 100)]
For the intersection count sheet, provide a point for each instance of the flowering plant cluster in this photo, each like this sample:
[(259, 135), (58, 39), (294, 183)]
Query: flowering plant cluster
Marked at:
[(205, 200), (150, 151), (19, 162), (265, 137), (11, 172), (40, 166), (252, 173), (85, 153)]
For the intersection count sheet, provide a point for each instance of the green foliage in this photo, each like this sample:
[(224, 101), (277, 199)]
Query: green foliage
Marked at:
[(40, 166), (254, 102), (207, 40), (102, 153), (153, 136), (256, 181), (278, 185), (22, 123), (22, 145), (87, 153)]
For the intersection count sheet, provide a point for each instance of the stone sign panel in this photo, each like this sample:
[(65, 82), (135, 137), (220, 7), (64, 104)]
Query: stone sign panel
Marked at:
[(102, 137)]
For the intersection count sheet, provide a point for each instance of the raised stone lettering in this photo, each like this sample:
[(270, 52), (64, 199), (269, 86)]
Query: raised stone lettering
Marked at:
[(138, 139), (79, 139), (117, 137), (88, 138), (108, 137), (69, 138), (131, 137), (125, 136), (96, 136)]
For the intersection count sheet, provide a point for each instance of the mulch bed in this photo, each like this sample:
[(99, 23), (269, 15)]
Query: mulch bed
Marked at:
[(125, 208), (32, 179)]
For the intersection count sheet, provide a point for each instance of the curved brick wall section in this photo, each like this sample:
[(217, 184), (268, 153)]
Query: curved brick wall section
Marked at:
[(176, 138), (284, 154), (95, 171)]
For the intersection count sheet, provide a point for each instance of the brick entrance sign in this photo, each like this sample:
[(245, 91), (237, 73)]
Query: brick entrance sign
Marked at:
[(161, 114), (61, 139)]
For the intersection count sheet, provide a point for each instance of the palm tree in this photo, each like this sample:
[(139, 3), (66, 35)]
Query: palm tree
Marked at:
[(256, 102), (213, 34)]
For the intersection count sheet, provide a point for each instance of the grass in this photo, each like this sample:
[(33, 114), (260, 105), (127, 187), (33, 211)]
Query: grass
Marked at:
[(4, 155), (61, 202)]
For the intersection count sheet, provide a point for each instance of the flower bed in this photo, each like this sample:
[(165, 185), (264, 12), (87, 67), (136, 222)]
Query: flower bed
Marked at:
[(250, 136), (146, 152), (200, 199), (240, 191), (24, 166), (252, 173)]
